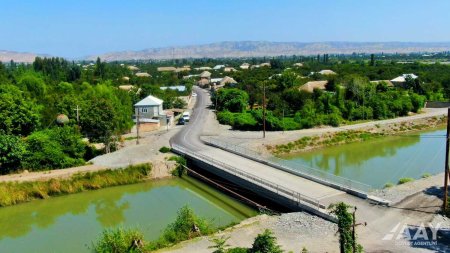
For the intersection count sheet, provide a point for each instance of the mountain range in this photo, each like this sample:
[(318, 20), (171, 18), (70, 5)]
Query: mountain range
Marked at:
[(262, 48), (234, 49)]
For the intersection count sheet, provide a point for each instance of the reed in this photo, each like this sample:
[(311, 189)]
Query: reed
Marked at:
[(12, 193)]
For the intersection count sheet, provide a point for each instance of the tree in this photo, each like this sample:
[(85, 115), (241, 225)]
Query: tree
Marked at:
[(233, 100), (345, 224), (46, 150), (18, 115), (372, 60), (12, 151), (97, 120), (265, 243)]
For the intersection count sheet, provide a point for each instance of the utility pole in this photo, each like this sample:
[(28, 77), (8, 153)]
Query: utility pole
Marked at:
[(137, 126), (264, 109), (447, 142), (354, 225), (78, 114)]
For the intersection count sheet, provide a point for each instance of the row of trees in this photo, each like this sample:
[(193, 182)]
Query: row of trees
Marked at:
[(288, 107)]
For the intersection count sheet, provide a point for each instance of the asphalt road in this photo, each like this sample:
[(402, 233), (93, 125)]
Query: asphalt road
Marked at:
[(189, 136)]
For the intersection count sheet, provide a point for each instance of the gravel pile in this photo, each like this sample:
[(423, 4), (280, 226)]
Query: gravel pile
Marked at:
[(304, 224), (397, 193)]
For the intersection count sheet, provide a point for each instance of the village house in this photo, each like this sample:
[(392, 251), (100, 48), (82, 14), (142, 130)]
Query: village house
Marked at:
[(143, 74), (387, 82), (133, 68), (400, 81), (203, 68), (310, 86), (217, 67), (179, 88), (150, 114), (166, 69), (229, 69), (245, 66), (327, 72), (182, 69)]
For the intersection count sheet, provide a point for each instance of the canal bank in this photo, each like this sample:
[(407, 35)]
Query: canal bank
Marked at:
[(70, 223)]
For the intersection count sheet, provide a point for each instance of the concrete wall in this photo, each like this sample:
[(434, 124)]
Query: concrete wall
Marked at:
[(437, 104), (148, 127)]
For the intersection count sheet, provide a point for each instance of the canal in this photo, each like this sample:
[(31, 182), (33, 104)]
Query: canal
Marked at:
[(379, 161), (70, 223)]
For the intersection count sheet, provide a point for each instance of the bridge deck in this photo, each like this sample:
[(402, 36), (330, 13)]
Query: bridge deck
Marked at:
[(326, 195)]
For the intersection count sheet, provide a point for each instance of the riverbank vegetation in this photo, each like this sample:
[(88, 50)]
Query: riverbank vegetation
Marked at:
[(187, 225), (12, 193), (349, 136)]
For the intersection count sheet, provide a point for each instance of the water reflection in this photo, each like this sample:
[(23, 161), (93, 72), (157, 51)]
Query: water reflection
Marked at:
[(379, 161)]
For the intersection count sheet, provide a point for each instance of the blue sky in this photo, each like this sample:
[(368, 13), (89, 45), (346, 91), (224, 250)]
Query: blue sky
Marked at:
[(78, 28)]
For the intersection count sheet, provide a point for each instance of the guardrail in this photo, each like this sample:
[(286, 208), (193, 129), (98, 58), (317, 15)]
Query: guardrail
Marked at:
[(317, 175), (297, 197)]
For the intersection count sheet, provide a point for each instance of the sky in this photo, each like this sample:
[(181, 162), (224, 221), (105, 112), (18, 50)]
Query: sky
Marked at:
[(80, 28)]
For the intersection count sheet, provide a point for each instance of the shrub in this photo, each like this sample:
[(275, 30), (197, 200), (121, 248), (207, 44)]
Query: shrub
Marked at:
[(405, 180), (119, 240), (12, 151), (55, 148), (180, 170), (164, 149), (426, 175), (226, 118), (388, 185), (265, 243)]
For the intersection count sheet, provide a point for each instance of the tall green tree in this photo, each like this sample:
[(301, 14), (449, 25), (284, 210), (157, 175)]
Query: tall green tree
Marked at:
[(19, 116)]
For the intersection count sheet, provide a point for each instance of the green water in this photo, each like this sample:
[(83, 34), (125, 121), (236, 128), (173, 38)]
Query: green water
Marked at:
[(382, 160), (70, 223)]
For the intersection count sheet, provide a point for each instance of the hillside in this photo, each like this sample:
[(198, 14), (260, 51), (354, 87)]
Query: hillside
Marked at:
[(6, 56), (261, 48)]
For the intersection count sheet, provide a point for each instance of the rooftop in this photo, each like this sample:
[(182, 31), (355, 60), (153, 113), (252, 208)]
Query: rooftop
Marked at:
[(149, 101)]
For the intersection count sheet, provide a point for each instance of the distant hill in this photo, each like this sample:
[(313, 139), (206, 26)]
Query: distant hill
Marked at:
[(262, 48), (7, 56)]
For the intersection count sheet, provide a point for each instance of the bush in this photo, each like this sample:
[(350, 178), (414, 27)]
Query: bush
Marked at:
[(265, 243), (405, 180), (426, 175), (180, 170), (187, 225), (226, 118), (55, 148), (119, 240), (12, 151), (388, 185), (165, 149), (244, 121)]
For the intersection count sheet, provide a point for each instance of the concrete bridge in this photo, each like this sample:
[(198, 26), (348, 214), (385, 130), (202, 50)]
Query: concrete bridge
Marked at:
[(307, 190)]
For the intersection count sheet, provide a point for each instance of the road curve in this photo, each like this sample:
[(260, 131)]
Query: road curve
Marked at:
[(189, 136)]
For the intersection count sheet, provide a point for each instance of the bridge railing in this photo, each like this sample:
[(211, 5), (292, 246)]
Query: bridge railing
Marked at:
[(293, 195), (294, 168)]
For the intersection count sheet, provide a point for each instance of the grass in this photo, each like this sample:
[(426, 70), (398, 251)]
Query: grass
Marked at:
[(426, 175), (12, 193), (388, 185), (324, 141), (165, 149), (405, 180)]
